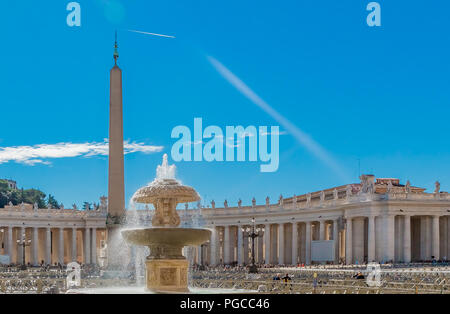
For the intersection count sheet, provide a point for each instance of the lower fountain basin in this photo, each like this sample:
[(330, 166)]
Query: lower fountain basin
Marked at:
[(178, 237), (166, 269)]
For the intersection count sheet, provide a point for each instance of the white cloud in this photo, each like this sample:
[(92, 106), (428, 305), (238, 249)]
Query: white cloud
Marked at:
[(38, 154)]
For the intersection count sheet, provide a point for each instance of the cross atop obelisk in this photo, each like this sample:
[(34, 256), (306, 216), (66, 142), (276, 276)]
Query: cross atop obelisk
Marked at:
[(116, 186)]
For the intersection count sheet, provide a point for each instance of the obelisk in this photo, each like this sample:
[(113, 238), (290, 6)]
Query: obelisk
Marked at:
[(116, 189), (116, 186)]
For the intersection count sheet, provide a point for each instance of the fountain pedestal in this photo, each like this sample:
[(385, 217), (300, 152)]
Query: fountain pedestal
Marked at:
[(167, 275), (166, 267)]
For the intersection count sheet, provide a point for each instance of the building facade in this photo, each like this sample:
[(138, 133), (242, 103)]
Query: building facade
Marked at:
[(377, 221)]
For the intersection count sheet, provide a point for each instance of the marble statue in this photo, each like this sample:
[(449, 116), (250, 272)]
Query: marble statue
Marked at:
[(408, 187), (389, 187), (103, 204), (239, 203), (308, 199), (253, 202), (335, 194), (348, 191), (437, 187), (280, 200), (225, 204), (294, 200), (213, 204), (267, 201), (35, 206)]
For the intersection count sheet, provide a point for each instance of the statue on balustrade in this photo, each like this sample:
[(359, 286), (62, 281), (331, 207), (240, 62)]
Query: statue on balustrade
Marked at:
[(389, 187), (408, 187), (322, 196), (253, 202), (308, 199), (225, 204), (239, 203), (267, 201), (213, 204), (437, 187), (348, 191)]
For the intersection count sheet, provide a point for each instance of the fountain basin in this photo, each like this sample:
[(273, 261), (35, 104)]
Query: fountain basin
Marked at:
[(166, 236), (166, 267)]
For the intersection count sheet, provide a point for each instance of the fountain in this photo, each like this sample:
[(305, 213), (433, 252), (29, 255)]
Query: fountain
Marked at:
[(166, 267)]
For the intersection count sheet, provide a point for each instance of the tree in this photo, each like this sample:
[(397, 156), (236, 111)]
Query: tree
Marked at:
[(52, 202), (86, 206)]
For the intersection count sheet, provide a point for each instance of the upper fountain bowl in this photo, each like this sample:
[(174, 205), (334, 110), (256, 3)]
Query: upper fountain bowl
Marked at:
[(165, 188)]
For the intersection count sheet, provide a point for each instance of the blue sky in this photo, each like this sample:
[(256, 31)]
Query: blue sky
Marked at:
[(378, 95)]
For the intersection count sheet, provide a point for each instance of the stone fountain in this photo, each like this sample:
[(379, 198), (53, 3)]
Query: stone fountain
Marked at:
[(166, 267)]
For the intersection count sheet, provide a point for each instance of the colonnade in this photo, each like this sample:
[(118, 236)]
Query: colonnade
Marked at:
[(51, 245), (357, 239)]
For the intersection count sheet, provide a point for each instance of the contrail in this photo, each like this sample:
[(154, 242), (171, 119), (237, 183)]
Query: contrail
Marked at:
[(301, 136), (154, 34)]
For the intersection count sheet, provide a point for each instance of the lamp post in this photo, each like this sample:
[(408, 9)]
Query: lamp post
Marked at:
[(23, 243), (253, 233)]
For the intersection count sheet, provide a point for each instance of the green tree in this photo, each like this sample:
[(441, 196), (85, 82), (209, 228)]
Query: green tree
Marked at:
[(86, 205), (52, 202)]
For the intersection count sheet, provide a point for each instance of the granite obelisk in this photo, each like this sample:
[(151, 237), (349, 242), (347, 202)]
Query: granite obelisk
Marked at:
[(116, 189), (116, 185)]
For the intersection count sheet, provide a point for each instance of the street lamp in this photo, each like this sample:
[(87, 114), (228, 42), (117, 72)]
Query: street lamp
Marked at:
[(253, 233), (24, 243)]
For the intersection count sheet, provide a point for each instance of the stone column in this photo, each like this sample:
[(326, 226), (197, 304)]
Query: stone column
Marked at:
[(20, 250), (267, 244), (371, 240), (48, 243), (336, 241), (245, 258), (448, 237), (281, 244), (240, 245), (389, 238), (10, 242), (226, 245), (94, 246), (61, 246), (260, 248), (87, 247), (349, 242), (435, 238), (294, 243), (407, 239), (34, 247), (74, 245), (214, 247), (308, 243), (322, 230)]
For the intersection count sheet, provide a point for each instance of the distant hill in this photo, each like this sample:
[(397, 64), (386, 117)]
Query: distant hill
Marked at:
[(30, 196)]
